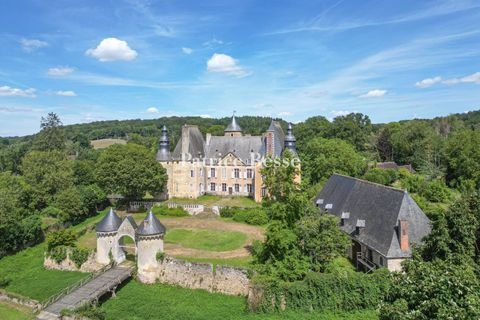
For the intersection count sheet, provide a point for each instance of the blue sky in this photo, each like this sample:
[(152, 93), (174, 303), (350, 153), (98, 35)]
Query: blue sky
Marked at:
[(128, 59)]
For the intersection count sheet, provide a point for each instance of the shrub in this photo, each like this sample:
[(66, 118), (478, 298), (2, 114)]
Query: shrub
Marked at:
[(325, 292), (4, 281), (253, 216), (58, 253), (61, 238), (51, 211), (381, 176), (160, 256), (172, 212), (436, 191), (228, 212), (79, 256)]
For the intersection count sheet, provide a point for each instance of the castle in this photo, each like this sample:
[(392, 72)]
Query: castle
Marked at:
[(228, 165)]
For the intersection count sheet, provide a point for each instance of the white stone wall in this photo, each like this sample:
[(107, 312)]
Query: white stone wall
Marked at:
[(147, 263), (91, 265), (226, 280), (395, 264), (104, 245)]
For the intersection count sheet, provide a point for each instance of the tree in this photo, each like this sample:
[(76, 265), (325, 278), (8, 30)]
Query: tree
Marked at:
[(280, 176), (51, 136), (322, 157), (70, 204), (48, 173), (355, 128), (130, 170), (381, 176), (314, 127), (463, 157)]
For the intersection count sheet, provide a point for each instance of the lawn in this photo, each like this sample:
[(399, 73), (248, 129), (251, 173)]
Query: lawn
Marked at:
[(10, 311), (210, 200), (105, 143), (30, 279), (210, 240), (136, 301)]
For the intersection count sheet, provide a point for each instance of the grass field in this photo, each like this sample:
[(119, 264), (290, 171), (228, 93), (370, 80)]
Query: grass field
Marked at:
[(10, 311), (105, 143), (211, 240), (208, 200), (30, 279), (244, 262), (136, 301)]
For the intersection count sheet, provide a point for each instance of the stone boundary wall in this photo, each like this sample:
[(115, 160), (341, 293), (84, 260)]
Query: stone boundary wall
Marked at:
[(21, 300), (192, 275), (192, 209), (91, 265)]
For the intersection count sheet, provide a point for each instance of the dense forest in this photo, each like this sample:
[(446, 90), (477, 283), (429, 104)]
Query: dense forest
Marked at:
[(57, 176)]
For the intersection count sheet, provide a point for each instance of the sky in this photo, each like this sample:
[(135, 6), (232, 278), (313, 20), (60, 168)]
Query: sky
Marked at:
[(129, 59)]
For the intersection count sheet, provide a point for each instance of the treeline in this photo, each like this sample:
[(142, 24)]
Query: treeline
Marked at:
[(43, 184)]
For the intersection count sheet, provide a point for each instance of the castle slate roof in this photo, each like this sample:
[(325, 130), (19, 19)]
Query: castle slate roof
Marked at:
[(278, 136), (241, 147), (150, 226), (109, 223), (191, 142), (233, 126), (380, 207)]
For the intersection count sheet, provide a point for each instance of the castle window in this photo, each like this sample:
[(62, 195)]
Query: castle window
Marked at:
[(236, 173), (192, 173), (249, 173), (249, 188), (264, 192), (224, 173), (212, 186), (237, 187), (212, 172), (224, 187)]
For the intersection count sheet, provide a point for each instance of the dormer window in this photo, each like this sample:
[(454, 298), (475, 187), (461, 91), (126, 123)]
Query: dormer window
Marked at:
[(328, 206)]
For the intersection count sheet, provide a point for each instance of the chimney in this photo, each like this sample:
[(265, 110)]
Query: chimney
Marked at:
[(185, 139), (360, 225), (403, 234), (345, 216)]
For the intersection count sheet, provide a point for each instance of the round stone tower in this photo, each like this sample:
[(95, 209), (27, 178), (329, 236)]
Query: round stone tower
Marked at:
[(107, 246), (149, 236)]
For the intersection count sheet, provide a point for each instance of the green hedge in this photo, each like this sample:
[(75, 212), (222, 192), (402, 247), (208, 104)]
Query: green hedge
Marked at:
[(253, 216), (173, 212), (325, 292)]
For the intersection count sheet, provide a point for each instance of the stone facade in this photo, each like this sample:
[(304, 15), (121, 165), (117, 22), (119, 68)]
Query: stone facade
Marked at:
[(228, 165), (223, 279)]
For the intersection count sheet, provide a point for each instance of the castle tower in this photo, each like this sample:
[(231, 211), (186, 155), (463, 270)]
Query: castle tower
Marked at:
[(163, 153), (233, 129), (107, 238), (290, 141), (149, 236)]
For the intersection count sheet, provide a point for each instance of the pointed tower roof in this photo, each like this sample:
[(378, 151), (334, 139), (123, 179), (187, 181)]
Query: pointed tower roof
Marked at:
[(163, 153), (109, 223), (150, 226), (233, 126), (290, 140)]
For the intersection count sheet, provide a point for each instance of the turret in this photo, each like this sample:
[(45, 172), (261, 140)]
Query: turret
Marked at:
[(290, 141), (107, 246), (163, 153), (149, 236), (233, 129)]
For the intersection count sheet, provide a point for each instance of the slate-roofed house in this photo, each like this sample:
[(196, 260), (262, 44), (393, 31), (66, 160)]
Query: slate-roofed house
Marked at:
[(221, 165), (383, 222)]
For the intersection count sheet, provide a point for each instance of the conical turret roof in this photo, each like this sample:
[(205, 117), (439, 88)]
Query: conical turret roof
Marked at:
[(109, 223), (233, 126), (150, 226)]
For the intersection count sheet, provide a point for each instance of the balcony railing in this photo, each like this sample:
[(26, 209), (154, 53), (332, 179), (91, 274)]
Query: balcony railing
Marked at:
[(369, 265)]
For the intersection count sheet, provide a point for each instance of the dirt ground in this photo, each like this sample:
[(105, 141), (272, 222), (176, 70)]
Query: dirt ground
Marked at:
[(252, 232)]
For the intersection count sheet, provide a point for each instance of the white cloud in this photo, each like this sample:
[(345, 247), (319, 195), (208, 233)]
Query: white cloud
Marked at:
[(60, 71), (152, 110), (7, 91), (473, 78), (187, 50), (30, 45), (223, 63), (374, 93), (67, 93), (428, 82), (207, 116), (284, 114), (112, 49), (212, 43)]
